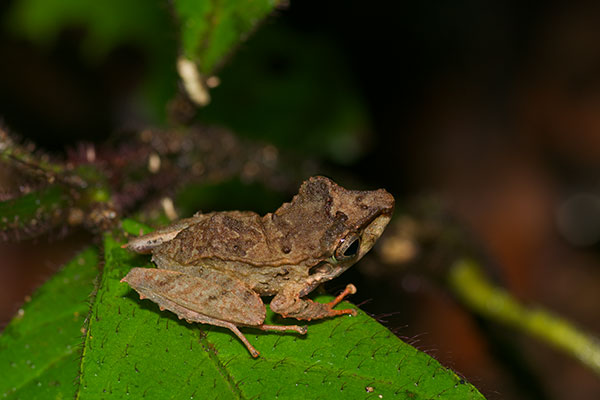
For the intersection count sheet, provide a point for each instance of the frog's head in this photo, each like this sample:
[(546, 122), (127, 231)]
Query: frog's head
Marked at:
[(351, 222)]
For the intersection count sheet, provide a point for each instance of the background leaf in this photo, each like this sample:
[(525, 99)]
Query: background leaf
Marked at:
[(133, 349), (293, 89), (39, 349), (38, 207), (211, 29)]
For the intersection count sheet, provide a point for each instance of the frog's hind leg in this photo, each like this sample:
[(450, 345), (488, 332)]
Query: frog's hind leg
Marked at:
[(239, 334), (197, 317), (192, 316)]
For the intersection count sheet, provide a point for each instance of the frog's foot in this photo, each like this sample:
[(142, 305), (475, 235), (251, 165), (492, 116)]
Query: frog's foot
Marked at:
[(293, 306), (350, 289)]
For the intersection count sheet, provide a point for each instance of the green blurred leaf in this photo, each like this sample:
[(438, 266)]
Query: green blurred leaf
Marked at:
[(39, 349), (135, 228), (294, 90), (132, 349), (33, 209), (108, 24), (211, 29)]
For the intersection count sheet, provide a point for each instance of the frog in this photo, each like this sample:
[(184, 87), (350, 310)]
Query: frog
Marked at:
[(214, 268)]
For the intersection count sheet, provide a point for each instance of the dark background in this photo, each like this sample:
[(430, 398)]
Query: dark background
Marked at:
[(493, 107)]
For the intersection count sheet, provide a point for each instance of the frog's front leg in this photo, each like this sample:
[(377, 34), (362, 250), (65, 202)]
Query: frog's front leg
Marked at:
[(208, 296), (289, 304)]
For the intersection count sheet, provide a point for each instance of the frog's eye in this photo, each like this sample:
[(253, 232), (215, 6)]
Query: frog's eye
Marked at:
[(348, 248)]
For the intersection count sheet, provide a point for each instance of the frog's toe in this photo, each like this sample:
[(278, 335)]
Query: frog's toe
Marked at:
[(348, 311)]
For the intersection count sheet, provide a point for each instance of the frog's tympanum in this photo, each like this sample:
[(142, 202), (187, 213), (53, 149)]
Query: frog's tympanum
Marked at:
[(213, 268)]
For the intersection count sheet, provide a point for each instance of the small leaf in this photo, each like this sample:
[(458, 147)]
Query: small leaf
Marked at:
[(211, 29), (135, 228), (39, 349), (132, 349)]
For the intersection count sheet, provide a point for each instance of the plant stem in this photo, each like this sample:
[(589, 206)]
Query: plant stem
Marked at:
[(471, 285)]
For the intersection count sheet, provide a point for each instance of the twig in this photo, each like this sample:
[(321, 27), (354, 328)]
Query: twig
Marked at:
[(471, 286)]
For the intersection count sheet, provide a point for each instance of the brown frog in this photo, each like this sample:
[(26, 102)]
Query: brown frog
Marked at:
[(213, 268)]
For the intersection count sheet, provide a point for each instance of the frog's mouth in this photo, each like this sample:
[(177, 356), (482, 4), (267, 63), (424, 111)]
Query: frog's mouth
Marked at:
[(352, 252)]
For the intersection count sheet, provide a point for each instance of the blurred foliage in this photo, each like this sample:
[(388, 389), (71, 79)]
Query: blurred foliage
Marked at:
[(292, 89), (285, 87), (49, 194), (33, 208), (474, 288), (210, 30), (229, 195), (108, 24)]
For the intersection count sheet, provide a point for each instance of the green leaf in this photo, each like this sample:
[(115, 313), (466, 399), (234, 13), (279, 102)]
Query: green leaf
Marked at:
[(39, 349), (134, 350), (211, 29)]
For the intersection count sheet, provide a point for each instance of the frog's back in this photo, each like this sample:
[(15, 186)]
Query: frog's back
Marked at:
[(231, 236)]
